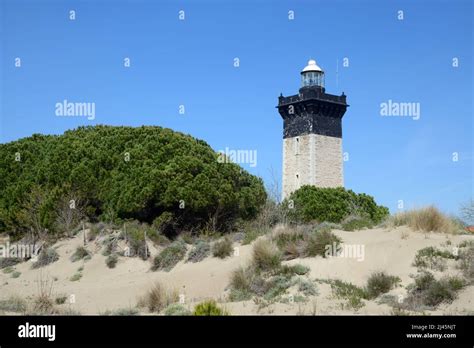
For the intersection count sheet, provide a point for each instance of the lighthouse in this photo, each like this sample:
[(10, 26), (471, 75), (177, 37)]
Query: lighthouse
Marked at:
[(312, 134)]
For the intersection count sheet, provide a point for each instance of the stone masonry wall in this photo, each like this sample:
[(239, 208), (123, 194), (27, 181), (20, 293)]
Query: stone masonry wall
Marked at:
[(312, 159)]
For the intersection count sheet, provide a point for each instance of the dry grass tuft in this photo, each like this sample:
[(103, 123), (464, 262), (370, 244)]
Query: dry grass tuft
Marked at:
[(266, 256), (158, 298), (428, 219)]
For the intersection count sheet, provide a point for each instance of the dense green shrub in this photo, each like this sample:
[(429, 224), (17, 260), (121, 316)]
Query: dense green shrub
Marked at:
[(311, 203), (123, 173)]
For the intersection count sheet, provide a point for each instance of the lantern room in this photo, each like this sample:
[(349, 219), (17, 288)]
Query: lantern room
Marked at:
[(312, 75)]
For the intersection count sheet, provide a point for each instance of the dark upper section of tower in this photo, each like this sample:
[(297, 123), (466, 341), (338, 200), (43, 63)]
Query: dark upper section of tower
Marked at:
[(312, 111)]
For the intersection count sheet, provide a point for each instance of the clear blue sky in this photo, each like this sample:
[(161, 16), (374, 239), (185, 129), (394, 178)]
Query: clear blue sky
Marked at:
[(190, 62)]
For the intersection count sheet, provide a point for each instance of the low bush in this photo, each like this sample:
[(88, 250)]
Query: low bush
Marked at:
[(127, 311), (199, 252), (14, 304), (299, 269), (380, 283), (176, 309), (9, 261), (209, 308), (46, 257), (222, 248), (81, 253), (294, 242), (16, 274), (317, 244), (432, 258), (355, 222), (426, 291), (169, 256), (307, 287)]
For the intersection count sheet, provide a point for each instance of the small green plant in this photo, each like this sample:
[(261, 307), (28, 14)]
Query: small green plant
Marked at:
[(60, 299), (76, 277), (208, 308), (8, 270), (201, 250), (16, 274), (81, 253), (111, 260), (169, 256), (222, 248), (299, 269)]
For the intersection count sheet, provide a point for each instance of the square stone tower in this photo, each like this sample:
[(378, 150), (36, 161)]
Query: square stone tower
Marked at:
[(312, 134)]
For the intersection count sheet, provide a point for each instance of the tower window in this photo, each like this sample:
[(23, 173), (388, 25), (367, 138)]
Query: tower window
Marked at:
[(297, 146)]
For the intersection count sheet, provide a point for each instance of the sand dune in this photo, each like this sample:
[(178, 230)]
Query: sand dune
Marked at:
[(102, 289)]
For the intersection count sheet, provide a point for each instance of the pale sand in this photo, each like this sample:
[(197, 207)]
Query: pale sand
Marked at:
[(101, 289)]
